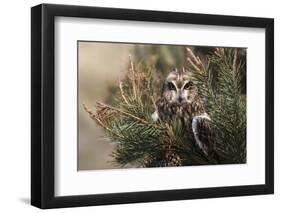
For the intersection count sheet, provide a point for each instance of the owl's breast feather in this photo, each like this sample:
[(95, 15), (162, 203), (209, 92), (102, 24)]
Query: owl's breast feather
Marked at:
[(155, 116)]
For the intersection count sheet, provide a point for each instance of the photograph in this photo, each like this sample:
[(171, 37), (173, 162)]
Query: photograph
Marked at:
[(139, 105), (160, 105)]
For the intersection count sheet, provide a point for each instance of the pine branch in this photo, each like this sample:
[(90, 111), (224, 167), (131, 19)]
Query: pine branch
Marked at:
[(141, 142), (100, 122), (104, 106)]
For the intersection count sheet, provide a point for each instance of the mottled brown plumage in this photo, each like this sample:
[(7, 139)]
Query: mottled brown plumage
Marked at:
[(180, 101)]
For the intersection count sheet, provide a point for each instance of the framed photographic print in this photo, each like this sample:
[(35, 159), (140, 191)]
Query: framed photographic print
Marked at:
[(139, 106)]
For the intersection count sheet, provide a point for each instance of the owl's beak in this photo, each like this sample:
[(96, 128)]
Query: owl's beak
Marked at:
[(179, 99)]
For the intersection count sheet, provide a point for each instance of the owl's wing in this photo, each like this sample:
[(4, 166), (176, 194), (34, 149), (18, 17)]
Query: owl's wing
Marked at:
[(203, 133)]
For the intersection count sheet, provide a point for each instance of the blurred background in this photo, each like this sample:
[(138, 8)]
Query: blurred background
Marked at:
[(100, 65)]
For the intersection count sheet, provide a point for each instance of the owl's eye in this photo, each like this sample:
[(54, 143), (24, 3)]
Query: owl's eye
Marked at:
[(188, 85), (171, 86)]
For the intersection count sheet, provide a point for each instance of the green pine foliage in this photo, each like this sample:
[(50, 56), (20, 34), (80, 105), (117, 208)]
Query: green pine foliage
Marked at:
[(220, 84), (141, 142)]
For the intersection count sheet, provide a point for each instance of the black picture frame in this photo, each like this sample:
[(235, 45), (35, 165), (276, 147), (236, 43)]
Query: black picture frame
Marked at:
[(43, 102)]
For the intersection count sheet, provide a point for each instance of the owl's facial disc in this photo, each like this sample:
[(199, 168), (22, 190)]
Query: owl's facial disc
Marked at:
[(187, 92), (170, 92), (178, 88)]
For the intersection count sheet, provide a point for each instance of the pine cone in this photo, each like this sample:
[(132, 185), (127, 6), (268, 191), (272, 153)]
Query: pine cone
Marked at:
[(172, 159)]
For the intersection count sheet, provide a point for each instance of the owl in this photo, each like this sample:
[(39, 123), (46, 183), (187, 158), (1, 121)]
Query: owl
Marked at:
[(180, 101)]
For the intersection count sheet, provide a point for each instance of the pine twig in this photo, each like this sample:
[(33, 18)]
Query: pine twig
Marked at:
[(154, 103), (99, 104), (195, 61), (122, 92), (170, 133), (234, 69), (132, 69), (219, 52), (94, 117), (193, 65), (234, 63)]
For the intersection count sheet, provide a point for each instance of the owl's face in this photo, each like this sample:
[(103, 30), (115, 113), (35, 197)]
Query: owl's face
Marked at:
[(178, 88)]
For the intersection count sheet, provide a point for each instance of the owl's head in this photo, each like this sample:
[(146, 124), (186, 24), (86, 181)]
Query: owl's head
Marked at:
[(178, 87)]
